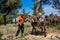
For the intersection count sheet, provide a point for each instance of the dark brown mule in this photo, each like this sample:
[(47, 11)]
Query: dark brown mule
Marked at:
[(58, 19), (48, 19), (51, 20), (38, 22)]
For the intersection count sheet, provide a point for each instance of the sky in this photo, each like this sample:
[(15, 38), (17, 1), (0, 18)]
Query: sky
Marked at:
[(28, 4), (48, 10)]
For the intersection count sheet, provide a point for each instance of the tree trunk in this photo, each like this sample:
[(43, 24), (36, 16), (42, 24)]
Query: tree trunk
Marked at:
[(15, 20), (38, 7), (4, 19)]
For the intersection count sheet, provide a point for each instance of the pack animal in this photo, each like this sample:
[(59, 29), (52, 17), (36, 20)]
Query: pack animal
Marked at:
[(38, 22)]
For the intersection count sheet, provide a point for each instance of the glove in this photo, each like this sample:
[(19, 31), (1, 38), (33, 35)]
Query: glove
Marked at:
[(20, 24)]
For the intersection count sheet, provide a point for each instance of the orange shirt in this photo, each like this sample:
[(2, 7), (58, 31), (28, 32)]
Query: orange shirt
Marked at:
[(20, 20)]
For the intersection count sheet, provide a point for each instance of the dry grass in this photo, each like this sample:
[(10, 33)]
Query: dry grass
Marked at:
[(12, 28)]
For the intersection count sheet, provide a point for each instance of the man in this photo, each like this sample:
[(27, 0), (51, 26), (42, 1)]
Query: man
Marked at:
[(20, 25)]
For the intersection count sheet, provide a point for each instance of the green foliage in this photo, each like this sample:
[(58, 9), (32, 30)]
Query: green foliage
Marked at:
[(0, 36), (9, 5), (56, 26), (34, 9), (45, 1), (2, 19), (9, 19), (25, 14), (51, 14), (41, 10), (27, 24), (56, 4)]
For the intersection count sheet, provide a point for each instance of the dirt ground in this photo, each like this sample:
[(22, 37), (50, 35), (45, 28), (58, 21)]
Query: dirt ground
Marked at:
[(10, 30), (51, 35)]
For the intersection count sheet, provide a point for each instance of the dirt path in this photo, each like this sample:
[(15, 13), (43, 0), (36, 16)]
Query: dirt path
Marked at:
[(51, 35)]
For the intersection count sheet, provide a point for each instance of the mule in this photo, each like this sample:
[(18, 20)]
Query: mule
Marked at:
[(51, 20), (39, 23)]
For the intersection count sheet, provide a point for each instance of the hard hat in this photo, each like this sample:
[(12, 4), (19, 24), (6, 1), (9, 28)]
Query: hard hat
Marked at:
[(40, 13), (21, 13)]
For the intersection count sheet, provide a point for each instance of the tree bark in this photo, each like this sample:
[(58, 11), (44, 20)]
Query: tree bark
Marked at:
[(4, 19), (38, 7), (15, 20)]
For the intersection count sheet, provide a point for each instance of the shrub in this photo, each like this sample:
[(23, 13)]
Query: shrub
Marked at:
[(2, 19), (0, 36)]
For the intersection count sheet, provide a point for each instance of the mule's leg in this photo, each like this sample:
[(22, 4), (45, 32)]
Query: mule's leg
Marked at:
[(41, 29), (33, 28), (44, 28), (39, 24), (55, 22)]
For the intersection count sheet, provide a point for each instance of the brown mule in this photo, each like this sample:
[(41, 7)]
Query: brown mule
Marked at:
[(38, 22)]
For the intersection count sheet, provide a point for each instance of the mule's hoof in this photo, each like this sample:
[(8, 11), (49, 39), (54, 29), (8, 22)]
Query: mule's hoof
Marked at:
[(45, 35)]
